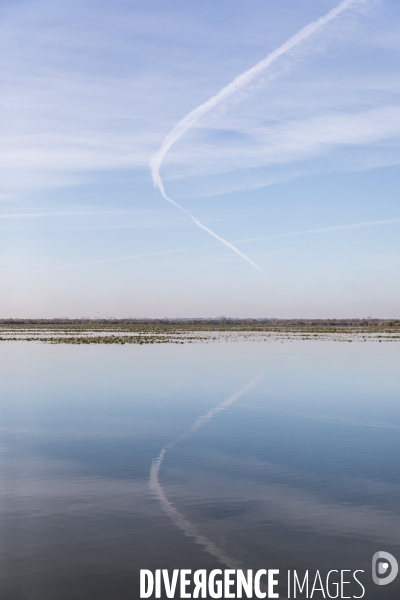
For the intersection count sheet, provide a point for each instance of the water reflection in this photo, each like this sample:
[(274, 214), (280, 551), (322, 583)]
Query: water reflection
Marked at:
[(188, 528), (299, 472)]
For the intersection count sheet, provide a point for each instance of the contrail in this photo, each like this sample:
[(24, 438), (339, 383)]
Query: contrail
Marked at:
[(321, 230), (207, 229), (176, 517), (237, 84), (107, 260)]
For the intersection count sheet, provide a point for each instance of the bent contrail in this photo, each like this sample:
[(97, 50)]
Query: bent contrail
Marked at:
[(237, 84), (176, 517)]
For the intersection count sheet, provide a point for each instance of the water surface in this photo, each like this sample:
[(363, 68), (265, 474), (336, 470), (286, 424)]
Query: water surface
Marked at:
[(300, 470)]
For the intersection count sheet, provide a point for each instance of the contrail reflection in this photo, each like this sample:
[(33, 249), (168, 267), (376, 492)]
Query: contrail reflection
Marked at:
[(176, 517)]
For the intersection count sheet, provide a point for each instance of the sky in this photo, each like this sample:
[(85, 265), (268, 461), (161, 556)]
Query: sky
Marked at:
[(286, 191)]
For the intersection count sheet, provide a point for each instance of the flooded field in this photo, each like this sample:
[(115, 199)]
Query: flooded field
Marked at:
[(204, 330), (116, 458)]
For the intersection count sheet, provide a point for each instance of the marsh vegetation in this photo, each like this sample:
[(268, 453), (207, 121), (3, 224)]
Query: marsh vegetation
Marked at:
[(181, 331)]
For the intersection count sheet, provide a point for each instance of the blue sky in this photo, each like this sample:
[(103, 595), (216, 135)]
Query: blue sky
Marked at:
[(299, 169)]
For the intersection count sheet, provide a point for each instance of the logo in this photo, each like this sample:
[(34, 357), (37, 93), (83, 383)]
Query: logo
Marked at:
[(384, 568)]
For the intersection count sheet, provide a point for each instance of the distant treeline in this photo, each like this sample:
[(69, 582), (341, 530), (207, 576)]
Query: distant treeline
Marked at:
[(220, 322)]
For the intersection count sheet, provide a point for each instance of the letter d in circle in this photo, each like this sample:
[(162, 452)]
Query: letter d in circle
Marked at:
[(386, 560)]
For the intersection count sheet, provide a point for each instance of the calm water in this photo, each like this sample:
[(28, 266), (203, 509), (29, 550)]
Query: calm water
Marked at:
[(300, 471)]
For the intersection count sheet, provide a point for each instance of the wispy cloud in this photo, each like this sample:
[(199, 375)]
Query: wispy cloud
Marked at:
[(240, 82), (64, 116), (90, 90), (284, 150), (62, 213)]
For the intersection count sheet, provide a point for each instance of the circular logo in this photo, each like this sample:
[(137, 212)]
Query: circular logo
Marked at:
[(384, 568)]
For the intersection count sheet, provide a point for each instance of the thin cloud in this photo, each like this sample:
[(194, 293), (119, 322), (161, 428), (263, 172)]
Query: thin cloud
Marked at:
[(66, 213), (292, 140), (236, 85)]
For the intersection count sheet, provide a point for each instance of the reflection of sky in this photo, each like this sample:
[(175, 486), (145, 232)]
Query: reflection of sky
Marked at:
[(301, 471)]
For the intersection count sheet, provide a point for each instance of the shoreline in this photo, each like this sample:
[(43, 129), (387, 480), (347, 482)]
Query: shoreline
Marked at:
[(191, 331)]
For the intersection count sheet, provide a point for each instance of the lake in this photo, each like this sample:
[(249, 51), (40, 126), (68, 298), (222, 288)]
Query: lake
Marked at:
[(280, 454)]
